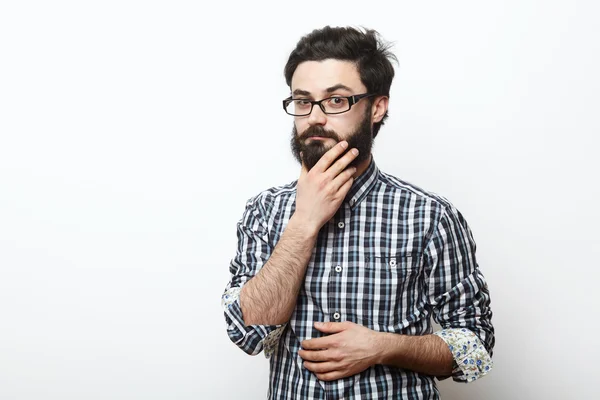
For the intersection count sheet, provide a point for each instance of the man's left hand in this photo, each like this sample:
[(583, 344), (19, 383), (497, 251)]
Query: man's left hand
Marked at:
[(348, 350)]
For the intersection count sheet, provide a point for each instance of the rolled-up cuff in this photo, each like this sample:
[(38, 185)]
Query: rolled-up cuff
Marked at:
[(252, 339), (471, 359)]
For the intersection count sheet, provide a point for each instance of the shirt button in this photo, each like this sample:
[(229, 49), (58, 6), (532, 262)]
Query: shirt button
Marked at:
[(393, 262), (336, 316), (338, 268), (352, 202), (341, 225)]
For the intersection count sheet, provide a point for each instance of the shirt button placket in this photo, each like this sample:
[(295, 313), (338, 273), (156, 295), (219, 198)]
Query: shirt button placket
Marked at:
[(338, 269)]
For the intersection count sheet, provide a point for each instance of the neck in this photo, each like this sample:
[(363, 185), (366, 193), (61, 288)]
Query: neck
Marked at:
[(362, 167)]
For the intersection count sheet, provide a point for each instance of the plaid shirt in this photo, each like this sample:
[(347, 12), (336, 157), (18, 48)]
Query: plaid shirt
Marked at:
[(392, 257)]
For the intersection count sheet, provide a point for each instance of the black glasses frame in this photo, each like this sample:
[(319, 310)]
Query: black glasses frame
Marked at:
[(352, 100)]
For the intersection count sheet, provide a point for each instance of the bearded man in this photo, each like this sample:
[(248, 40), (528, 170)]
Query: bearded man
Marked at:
[(338, 275)]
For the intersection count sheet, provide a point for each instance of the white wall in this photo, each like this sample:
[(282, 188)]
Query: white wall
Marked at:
[(126, 157)]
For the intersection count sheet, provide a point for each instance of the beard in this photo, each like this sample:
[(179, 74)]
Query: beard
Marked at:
[(361, 139)]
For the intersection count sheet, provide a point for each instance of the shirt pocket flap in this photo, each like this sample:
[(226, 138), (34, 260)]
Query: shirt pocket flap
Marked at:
[(392, 263)]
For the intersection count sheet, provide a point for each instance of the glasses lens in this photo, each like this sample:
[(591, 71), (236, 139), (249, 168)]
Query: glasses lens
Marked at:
[(333, 105), (298, 107), (336, 105)]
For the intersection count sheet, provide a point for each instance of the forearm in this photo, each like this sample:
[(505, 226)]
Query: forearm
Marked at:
[(427, 354), (270, 297)]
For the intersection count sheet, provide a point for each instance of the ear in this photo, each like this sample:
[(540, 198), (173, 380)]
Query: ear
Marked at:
[(379, 108)]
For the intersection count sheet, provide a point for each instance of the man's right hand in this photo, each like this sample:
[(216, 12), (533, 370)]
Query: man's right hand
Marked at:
[(321, 190)]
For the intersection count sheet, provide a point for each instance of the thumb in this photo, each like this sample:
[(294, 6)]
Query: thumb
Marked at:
[(330, 327), (304, 170)]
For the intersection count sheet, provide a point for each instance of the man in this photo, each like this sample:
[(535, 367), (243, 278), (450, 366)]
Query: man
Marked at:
[(338, 274)]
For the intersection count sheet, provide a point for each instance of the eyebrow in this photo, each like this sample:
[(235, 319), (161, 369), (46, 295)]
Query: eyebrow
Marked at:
[(300, 92), (338, 87)]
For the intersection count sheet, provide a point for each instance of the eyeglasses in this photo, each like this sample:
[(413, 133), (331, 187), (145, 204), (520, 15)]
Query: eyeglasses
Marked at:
[(330, 105)]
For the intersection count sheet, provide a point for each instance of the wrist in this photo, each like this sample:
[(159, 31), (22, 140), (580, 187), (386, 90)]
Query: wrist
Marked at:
[(303, 228), (388, 347)]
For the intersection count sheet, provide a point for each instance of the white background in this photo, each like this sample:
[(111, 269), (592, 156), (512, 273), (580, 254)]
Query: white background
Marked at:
[(132, 133)]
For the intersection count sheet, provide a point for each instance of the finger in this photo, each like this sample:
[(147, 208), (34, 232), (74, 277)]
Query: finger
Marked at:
[(331, 155), (342, 163), (345, 187), (304, 170), (321, 367), (332, 327), (317, 355), (332, 376), (317, 344), (342, 179)]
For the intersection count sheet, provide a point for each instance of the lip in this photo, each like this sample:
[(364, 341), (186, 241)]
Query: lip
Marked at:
[(317, 138)]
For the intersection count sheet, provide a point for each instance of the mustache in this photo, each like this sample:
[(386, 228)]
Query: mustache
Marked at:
[(318, 131)]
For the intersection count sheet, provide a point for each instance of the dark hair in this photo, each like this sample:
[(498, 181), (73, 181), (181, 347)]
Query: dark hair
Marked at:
[(363, 47)]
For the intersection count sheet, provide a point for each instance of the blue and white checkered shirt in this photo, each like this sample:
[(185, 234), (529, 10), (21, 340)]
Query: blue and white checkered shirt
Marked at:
[(392, 257)]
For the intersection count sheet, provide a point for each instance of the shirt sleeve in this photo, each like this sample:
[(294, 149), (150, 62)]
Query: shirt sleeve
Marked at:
[(471, 359), (459, 297), (253, 251)]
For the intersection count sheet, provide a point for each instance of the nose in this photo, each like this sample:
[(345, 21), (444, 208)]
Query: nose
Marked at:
[(317, 116)]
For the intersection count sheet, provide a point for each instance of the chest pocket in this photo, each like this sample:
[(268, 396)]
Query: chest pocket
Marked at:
[(387, 290)]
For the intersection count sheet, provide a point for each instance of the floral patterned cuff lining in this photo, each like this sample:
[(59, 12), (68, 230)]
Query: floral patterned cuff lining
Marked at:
[(271, 341), (230, 296), (470, 356)]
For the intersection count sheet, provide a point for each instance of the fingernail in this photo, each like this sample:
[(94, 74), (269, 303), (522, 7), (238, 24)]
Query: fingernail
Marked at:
[(344, 144), (355, 152)]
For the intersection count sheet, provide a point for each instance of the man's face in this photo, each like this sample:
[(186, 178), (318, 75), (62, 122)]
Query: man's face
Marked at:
[(315, 134)]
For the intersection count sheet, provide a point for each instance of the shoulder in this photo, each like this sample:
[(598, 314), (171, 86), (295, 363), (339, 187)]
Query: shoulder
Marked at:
[(440, 210), (275, 197), (414, 192)]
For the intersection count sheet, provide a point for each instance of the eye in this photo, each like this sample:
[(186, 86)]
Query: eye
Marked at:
[(337, 102), (301, 103)]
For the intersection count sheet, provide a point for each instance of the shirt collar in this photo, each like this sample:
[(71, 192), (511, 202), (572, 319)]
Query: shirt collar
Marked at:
[(362, 185)]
